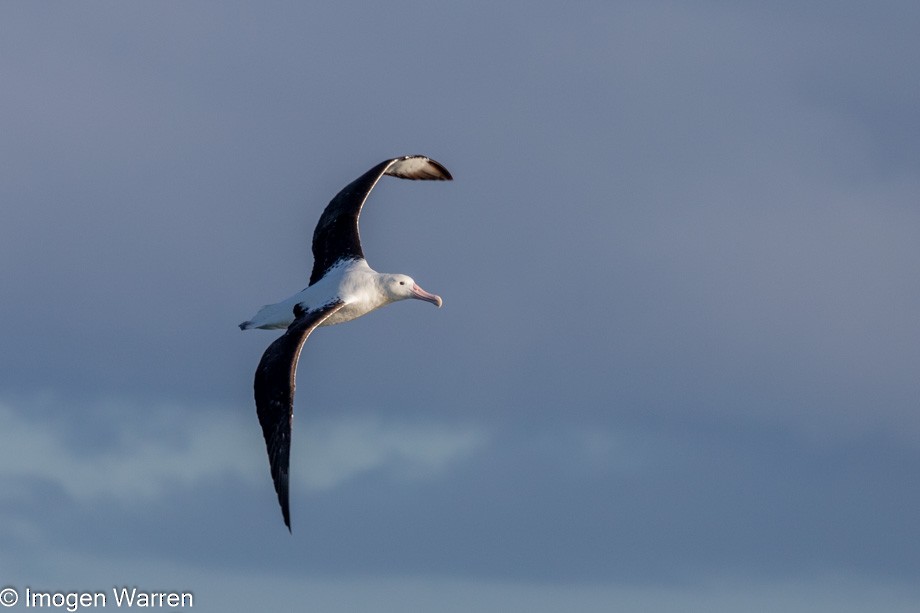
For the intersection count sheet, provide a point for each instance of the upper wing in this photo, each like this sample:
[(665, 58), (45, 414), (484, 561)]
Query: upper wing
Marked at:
[(274, 392), (336, 235)]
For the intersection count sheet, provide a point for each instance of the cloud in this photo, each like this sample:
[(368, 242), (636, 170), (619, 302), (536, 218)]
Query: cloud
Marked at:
[(340, 449), (183, 447)]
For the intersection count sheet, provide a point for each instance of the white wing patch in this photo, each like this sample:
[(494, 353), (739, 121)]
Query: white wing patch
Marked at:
[(418, 167)]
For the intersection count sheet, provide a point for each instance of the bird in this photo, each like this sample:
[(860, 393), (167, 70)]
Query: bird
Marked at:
[(342, 287)]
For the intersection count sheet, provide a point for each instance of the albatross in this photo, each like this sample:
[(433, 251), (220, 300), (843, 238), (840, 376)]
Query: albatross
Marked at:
[(342, 287)]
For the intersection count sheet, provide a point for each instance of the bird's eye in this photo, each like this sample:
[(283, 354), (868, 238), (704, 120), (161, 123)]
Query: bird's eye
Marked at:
[(402, 282)]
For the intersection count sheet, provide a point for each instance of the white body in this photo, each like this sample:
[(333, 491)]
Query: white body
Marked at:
[(353, 282)]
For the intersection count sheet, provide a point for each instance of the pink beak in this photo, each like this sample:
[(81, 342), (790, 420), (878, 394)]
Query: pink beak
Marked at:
[(423, 295)]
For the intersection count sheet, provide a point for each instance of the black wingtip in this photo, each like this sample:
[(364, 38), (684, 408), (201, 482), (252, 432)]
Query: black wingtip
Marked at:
[(281, 487)]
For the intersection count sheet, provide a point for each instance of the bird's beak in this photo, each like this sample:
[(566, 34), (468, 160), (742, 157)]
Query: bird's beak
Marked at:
[(423, 295)]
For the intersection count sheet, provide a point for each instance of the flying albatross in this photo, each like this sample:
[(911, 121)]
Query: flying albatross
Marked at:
[(342, 287)]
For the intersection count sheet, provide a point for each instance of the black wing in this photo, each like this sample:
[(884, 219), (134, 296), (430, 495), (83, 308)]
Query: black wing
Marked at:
[(274, 392), (336, 236)]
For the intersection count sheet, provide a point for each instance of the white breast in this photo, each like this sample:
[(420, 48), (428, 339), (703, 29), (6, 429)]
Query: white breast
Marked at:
[(353, 282)]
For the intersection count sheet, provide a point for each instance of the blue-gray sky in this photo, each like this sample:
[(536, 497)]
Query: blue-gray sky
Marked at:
[(677, 363)]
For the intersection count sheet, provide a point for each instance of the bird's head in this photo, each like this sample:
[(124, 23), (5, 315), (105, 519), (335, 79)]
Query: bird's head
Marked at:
[(403, 287)]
